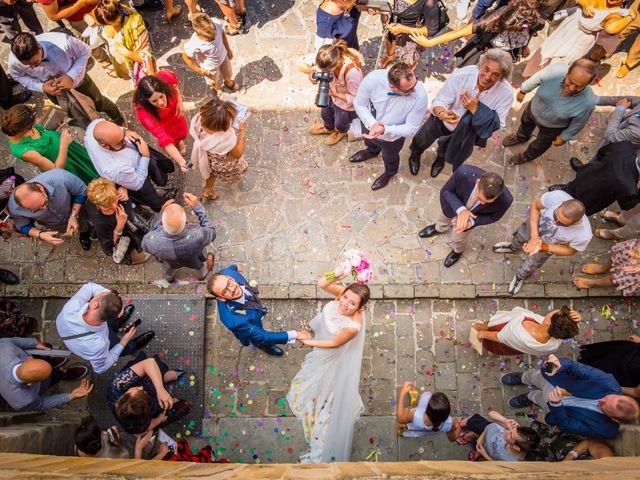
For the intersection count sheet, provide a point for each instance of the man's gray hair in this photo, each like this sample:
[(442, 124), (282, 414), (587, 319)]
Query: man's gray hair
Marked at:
[(174, 219), (501, 57)]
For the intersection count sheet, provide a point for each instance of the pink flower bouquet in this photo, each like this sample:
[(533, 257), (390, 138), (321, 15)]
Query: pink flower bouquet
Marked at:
[(355, 262)]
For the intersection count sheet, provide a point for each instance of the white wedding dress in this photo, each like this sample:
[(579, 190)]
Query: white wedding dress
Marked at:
[(325, 392)]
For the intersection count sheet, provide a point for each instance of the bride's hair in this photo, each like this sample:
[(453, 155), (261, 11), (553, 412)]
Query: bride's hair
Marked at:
[(362, 291), (438, 410)]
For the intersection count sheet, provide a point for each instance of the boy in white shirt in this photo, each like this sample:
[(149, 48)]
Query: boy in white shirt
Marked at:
[(209, 54)]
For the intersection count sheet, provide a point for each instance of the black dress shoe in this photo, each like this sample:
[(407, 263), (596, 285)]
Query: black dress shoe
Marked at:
[(141, 341), (17, 99), (271, 350), (576, 164), (428, 231), (8, 277), (380, 182), (126, 314), (557, 186), (452, 258), (361, 156), (436, 168), (414, 163), (85, 240)]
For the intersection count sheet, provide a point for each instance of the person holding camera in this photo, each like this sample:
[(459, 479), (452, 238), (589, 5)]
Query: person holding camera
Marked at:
[(391, 106), (339, 71), (122, 156)]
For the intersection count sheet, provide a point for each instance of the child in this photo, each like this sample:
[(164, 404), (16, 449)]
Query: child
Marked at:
[(209, 54)]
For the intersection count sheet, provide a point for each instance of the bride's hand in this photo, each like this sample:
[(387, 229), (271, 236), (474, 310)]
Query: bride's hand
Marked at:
[(302, 335), (340, 273)]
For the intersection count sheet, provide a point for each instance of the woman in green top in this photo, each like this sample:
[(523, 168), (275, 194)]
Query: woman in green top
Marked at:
[(46, 149)]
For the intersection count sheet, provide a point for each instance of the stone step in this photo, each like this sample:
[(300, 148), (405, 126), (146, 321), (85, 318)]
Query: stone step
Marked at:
[(47, 433)]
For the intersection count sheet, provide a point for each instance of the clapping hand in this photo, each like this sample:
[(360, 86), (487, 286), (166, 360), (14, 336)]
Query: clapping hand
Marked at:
[(555, 396), (533, 246), (463, 221), (470, 102), (376, 130)]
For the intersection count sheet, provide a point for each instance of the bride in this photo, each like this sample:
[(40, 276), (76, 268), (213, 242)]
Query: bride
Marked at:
[(324, 394)]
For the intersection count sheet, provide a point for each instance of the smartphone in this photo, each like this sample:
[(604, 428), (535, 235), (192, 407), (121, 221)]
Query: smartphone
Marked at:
[(4, 216), (548, 367), (132, 325)]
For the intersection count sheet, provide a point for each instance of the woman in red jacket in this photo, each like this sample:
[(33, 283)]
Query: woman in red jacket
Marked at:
[(159, 108)]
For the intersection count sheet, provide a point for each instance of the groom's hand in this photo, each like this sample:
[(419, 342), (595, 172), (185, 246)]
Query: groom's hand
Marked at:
[(302, 335)]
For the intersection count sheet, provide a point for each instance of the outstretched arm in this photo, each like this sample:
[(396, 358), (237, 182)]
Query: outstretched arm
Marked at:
[(340, 339), (329, 286), (450, 36)]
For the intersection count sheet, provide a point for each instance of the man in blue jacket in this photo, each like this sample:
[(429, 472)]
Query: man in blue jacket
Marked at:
[(577, 398), (471, 197), (241, 311)]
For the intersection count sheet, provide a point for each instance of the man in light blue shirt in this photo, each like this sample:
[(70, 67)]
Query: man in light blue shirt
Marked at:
[(54, 63), (391, 106), (560, 109)]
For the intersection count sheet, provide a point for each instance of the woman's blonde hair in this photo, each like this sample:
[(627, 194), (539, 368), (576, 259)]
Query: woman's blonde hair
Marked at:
[(102, 192), (203, 25), (328, 56), (108, 11)]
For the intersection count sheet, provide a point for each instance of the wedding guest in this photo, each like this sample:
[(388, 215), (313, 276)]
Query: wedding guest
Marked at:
[(138, 398), (112, 221), (235, 14), (337, 19), (73, 11), (208, 53), (178, 244), (560, 109), (410, 17), (620, 358), (503, 439), (127, 40), (595, 407), (45, 149), (346, 70), (431, 414), (53, 200), (218, 143), (471, 105), (576, 35), (622, 270), (330, 373), (122, 156), (24, 379), (88, 325), (53, 63), (556, 225), (11, 11), (159, 108), (509, 27), (399, 101), (241, 311), (521, 331), (92, 441), (557, 446), (470, 198)]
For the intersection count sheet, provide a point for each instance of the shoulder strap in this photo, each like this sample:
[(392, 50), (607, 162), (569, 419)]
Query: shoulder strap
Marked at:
[(78, 335)]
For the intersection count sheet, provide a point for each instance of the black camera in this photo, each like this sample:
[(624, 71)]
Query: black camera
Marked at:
[(322, 98)]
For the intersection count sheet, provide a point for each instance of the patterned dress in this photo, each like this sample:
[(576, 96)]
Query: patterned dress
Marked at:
[(622, 256)]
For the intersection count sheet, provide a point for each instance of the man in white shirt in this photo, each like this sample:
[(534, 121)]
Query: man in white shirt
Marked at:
[(54, 63), (557, 225), (88, 326), (391, 106), (484, 91), (122, 156)]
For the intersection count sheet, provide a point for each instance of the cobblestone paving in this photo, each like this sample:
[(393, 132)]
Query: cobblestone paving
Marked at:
[(296, 209)]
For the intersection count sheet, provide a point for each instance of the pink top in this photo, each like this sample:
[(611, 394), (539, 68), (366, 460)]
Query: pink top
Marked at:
[(346, 85), (170, 128)]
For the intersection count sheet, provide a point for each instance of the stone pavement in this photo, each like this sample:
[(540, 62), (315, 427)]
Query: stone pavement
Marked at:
[(287, 220)]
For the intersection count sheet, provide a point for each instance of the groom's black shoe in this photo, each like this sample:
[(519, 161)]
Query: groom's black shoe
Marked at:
[(271, 350)]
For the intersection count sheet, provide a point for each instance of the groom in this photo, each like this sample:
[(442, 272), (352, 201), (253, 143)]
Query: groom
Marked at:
[(241, 311)]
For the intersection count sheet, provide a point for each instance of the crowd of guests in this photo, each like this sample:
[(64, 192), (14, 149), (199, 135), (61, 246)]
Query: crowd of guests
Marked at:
[(127, 193)]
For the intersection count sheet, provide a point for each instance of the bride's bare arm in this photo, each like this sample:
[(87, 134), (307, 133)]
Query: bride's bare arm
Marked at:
[(330, 287), (340, 339)]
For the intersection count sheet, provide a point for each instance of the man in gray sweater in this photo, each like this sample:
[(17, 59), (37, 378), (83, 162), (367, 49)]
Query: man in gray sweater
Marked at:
[(176, 243), (23, 379)]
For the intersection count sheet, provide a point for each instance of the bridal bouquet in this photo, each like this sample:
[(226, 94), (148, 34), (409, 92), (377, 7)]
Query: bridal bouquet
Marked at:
[(355, 262)]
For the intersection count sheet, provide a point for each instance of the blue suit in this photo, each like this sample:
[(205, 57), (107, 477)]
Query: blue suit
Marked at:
[(583, 381), (245, 322)]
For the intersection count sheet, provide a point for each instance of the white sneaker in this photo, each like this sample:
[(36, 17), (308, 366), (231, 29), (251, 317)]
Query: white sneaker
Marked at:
[(515, 285), (503, 247)]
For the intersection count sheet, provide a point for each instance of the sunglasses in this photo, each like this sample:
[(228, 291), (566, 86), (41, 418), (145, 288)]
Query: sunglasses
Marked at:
[(558, 222), (410, 90)]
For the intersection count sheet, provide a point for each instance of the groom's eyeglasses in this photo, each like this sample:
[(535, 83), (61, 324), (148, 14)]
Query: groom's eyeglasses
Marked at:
[(228, 288)]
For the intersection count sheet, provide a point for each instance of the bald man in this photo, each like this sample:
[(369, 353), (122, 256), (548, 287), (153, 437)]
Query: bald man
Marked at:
[(122, 156), (23, 379), (178, 244)]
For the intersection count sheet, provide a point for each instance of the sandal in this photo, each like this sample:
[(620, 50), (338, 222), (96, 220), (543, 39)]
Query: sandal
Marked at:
[(232, 31), (466, 437), (234, 87), (610, 216), (605, 234)]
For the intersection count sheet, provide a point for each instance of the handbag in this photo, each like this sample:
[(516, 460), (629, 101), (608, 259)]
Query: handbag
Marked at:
[(443, 18)]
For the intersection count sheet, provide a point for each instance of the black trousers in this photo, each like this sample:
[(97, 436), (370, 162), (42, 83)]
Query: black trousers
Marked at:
[(114, 339), (6, 91), (430, 131), (159, 168), (335, 118), (390, 152), (9, 15), (477, 424), (543, 140)]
